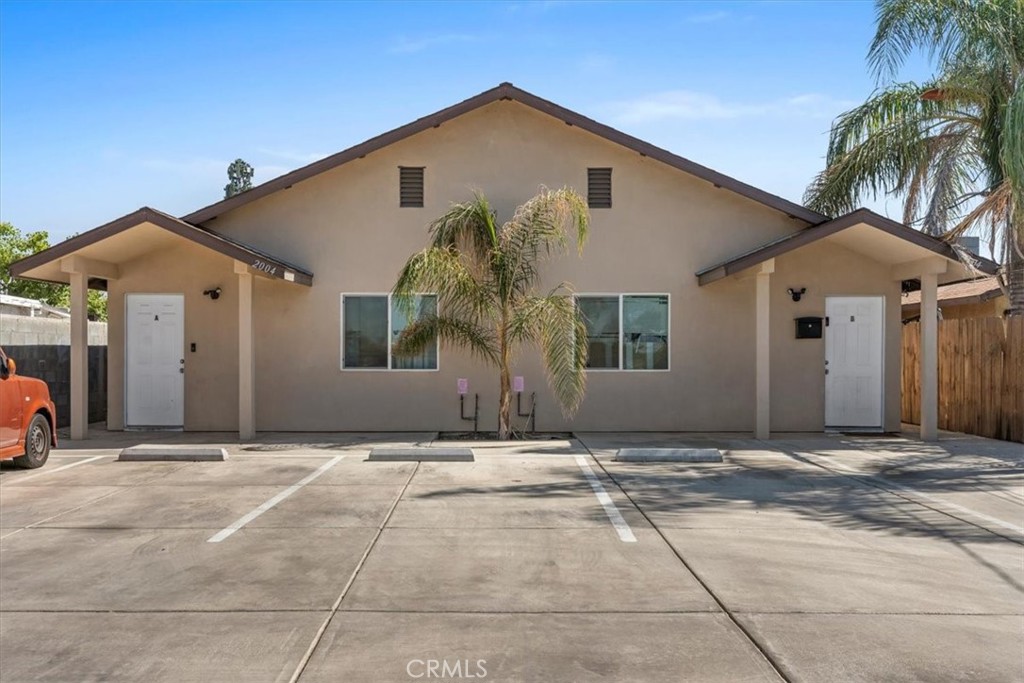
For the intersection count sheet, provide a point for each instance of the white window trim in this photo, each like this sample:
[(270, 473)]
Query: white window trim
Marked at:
[(437, 342), (622, 345)]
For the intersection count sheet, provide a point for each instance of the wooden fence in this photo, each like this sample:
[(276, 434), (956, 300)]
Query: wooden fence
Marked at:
[(981, 376)]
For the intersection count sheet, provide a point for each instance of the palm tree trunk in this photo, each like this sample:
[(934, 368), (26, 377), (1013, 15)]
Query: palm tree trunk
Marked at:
[(1014, 277), (505, 404), (505, 408)]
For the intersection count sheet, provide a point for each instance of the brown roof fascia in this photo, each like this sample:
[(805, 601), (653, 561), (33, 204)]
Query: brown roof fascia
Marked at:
[(219, 243), (506, 91), (822, 230)]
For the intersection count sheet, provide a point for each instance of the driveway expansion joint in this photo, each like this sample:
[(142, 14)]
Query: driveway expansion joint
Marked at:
[(747, 634)]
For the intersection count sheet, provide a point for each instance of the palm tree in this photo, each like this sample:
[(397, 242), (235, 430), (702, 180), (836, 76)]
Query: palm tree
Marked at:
[(953, 147), (486, 276)]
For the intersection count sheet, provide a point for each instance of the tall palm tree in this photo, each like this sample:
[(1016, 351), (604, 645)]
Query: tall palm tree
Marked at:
[(486, 276), (953, 147)]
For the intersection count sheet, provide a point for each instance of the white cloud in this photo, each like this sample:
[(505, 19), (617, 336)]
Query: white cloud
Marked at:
[(406, 45), (692, 106)]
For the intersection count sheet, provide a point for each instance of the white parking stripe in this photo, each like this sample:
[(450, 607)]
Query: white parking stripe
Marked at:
[(59, 469), (614, 516), (235, 526)]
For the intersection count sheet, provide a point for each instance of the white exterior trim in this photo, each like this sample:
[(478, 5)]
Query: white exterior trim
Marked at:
[(388, 295), (622, 346)]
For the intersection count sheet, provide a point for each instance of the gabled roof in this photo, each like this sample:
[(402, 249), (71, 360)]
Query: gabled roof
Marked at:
[(267, 265), (814, 233), (506, 91), (957, 293)]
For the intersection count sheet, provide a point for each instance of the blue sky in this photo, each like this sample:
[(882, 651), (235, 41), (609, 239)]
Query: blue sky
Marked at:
[(105, 107)]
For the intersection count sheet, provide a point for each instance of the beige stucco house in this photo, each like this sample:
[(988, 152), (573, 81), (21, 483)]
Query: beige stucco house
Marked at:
[(269, 310)]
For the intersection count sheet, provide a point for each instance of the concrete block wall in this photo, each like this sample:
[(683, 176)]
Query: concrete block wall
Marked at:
[(42, 348), (22, 330)]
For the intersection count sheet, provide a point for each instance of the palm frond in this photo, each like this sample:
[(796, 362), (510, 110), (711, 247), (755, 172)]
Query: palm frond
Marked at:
[(1012, 147), (540, 228), (950, 32), (453, 332), (950, 176), (442, 271), (553, 322), (874, 149), (468, 227)]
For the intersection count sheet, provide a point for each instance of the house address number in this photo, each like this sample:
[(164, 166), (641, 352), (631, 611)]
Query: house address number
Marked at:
[(265, 267)]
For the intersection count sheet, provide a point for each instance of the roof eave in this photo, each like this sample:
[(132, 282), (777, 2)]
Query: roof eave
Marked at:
[(831, 227), (202, 236)]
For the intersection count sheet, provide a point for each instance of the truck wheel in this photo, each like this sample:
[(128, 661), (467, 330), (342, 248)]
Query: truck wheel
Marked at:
[(37, 444)]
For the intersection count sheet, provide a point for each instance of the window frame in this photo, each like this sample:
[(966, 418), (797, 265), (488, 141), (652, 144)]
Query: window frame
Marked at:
[(390, 333), (622, 346)]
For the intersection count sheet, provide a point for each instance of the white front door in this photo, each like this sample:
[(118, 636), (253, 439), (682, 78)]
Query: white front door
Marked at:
[(155, 360), (854, 343)]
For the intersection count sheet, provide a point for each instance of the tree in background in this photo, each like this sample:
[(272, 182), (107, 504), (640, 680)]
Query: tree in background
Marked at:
[(14, 246), (485, 276), (953, 147), (239, 178)]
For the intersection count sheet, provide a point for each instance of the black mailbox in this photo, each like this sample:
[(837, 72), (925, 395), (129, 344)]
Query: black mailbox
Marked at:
[(808, 328)]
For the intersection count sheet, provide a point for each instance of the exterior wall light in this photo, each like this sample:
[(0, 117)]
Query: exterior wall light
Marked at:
[(797, 293), (212, 293)]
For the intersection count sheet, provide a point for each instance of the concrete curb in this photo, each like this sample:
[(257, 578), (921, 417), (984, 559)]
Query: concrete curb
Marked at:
[(172, 454), (421, 455), (668, 455)]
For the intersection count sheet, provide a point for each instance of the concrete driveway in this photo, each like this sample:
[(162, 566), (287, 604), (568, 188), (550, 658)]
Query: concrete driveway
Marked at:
[(800, 559)]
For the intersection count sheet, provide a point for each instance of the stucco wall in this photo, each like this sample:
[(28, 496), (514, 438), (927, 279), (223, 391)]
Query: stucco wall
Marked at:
[(211, 372), (346, 226)]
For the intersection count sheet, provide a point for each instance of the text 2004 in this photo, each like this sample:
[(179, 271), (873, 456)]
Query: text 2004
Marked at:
[(264, 267)]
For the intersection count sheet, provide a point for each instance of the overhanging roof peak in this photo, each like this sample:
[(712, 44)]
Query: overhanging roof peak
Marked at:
[(503, 92)]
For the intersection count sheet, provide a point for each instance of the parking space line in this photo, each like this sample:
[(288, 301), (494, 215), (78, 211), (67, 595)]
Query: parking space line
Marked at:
[(319, 635), (61, 468), (242, 521), (614, 516)]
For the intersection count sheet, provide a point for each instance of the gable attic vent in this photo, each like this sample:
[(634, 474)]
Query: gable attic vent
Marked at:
[(599, 188), (410, 186)]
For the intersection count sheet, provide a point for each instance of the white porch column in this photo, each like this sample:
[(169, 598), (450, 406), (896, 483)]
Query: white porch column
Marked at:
[(79, 355), (929, 358), (246, 355), (763, 340)]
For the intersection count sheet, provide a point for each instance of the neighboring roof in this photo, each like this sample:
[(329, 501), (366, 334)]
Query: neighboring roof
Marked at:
[(506, 91), (35, 307), (272, 266), (959, 293), (830, 227)]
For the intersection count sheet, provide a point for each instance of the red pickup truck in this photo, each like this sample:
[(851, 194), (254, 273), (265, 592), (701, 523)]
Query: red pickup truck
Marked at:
[(28, 417)]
